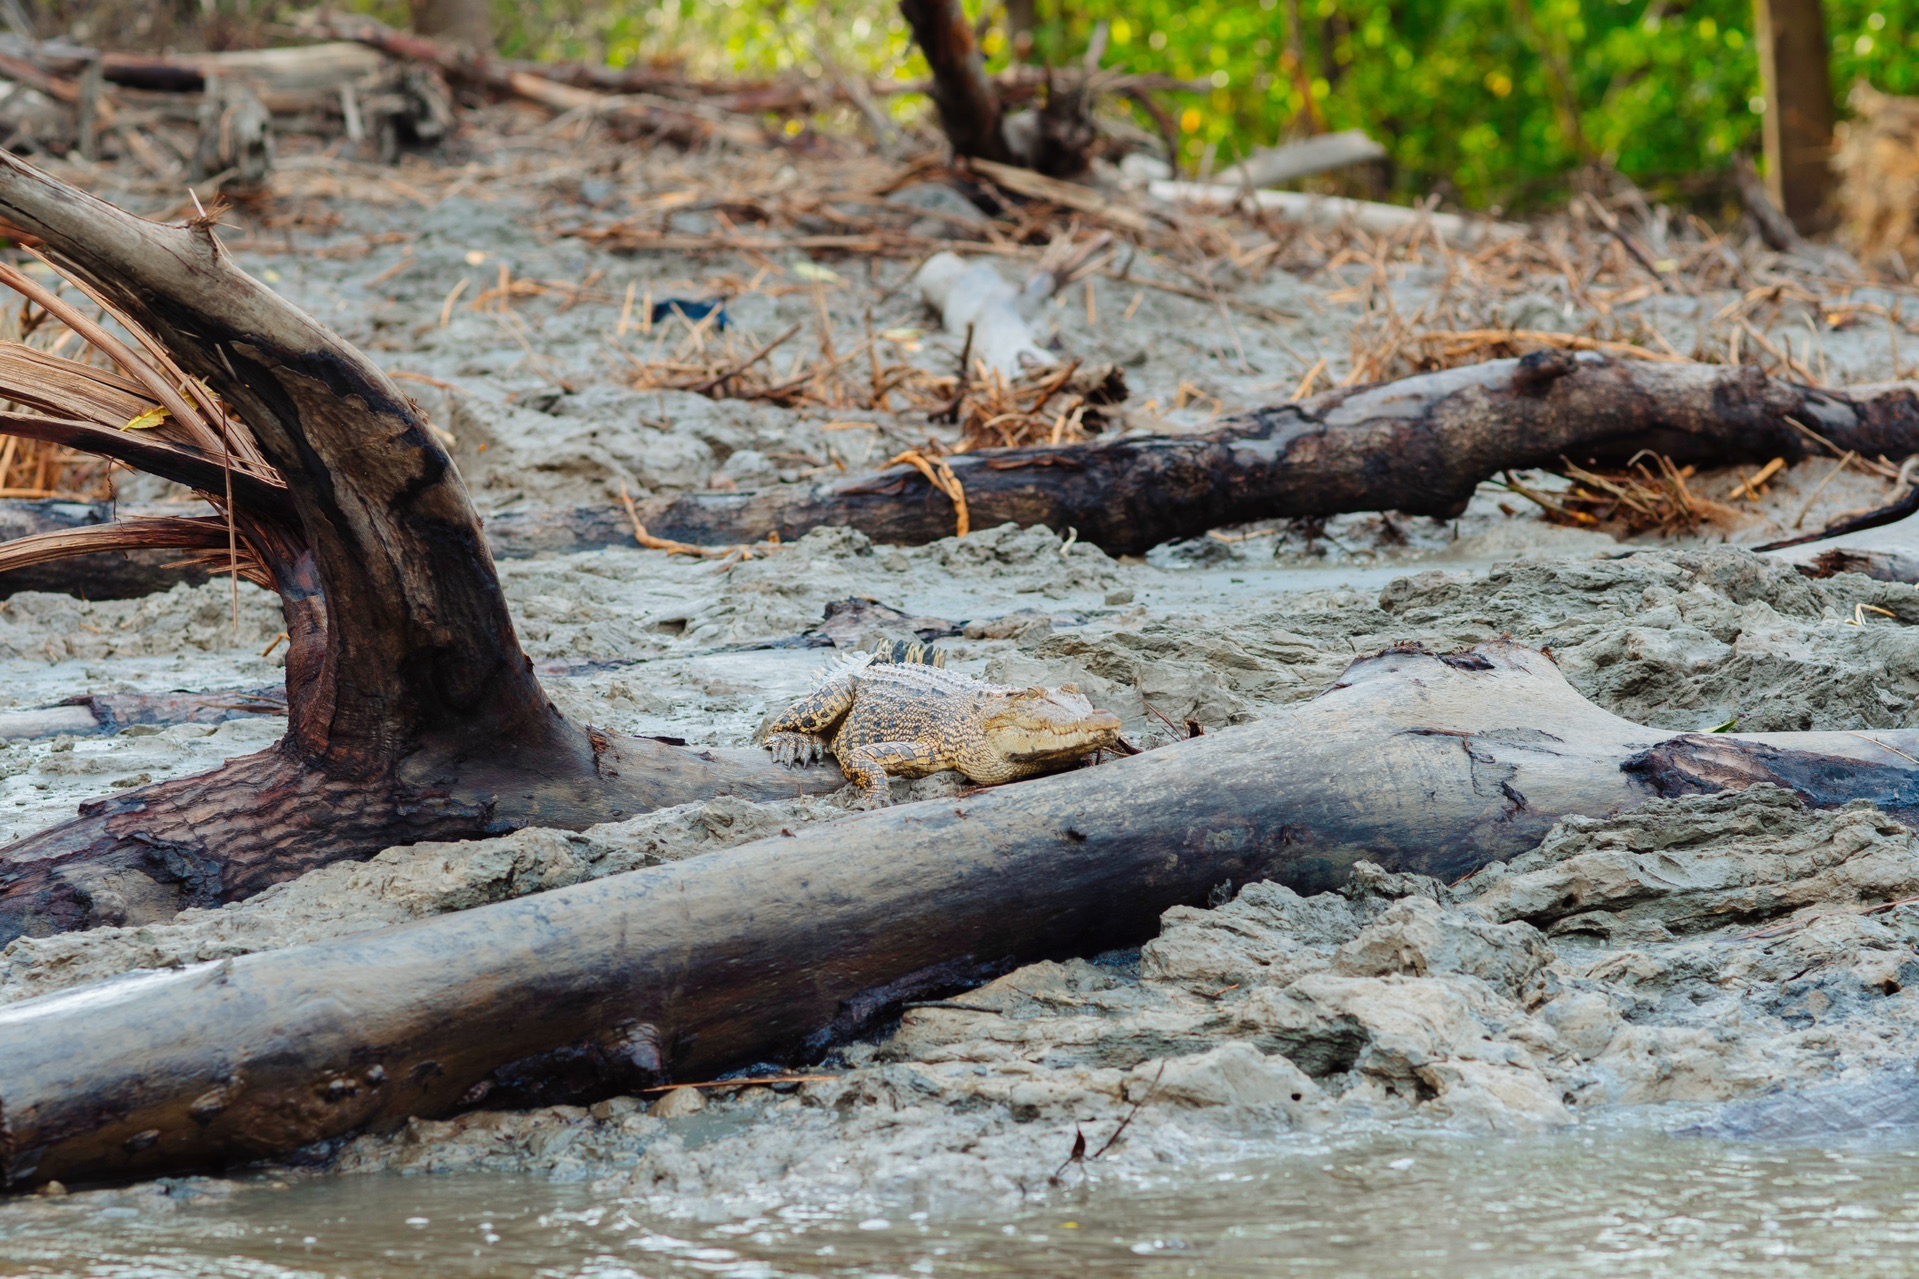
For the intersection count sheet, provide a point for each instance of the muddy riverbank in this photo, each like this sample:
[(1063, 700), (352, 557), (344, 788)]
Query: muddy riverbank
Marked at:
[(1696, 954)]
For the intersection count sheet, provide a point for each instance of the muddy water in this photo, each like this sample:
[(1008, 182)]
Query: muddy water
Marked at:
[(1590, 1202)]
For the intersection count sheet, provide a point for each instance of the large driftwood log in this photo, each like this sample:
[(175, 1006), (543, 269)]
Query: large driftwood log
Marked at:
[(776, 949), (413, 712), (1419, 445)]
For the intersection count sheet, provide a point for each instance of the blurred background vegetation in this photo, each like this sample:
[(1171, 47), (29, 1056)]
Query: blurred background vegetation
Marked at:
[(1490, 103)]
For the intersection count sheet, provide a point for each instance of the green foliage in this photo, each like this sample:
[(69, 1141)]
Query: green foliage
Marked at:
[(1490, 102)]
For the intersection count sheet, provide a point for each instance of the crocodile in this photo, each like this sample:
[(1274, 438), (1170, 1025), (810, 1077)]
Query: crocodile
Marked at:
[(897, 711)]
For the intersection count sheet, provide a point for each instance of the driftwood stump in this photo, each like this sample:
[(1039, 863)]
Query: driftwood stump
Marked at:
[(413, 712)]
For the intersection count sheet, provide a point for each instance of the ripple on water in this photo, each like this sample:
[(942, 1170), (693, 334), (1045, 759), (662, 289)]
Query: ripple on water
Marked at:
[(1420, 1206)]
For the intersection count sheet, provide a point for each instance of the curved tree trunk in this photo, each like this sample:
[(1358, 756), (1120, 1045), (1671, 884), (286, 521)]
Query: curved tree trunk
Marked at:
[(413, 711), (778, 948)]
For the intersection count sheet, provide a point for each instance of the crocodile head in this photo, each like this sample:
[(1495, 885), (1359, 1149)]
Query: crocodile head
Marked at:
[(1047, 726)]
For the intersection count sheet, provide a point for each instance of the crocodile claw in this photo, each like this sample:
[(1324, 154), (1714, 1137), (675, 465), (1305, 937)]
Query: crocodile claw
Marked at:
[(795, 749)]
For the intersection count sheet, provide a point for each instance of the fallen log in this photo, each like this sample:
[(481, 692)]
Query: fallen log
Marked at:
[(1270, 166), (102, 713), (109, 575), (777, 949), (1330, 212), (1881, 566), (684, 123), (413, 713), (1419, 445), (43, 544), (287, 79)]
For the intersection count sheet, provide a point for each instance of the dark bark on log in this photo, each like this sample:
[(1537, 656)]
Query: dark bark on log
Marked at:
[(776, 949), (1419, 445), (115, 575), (110, 576), (1904, 506), (969, 105)]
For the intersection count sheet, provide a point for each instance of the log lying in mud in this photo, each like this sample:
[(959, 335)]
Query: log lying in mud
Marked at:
[(778, 948), (116, 712), (112, 575), (1882, 566), (124, 574), (1419, 445)]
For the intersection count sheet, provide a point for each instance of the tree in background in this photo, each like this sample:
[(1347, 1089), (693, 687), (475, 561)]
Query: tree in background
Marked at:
[(1491, 102), (1473, 99), (467, 22)]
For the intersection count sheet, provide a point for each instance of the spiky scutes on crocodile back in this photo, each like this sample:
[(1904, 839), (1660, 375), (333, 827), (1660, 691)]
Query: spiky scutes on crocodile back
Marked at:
[(937, 709)]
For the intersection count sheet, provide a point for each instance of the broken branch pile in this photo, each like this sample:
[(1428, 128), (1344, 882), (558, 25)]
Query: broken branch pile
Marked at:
[(207, 117)]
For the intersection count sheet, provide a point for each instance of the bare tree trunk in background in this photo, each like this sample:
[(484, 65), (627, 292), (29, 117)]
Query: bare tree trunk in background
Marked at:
[(1302, 79), (1799, 112), (1022, 19), (467, 22), (968, 103)]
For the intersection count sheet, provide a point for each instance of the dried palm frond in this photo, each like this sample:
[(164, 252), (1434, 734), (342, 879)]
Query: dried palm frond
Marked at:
[(128, 402), (30, 469)]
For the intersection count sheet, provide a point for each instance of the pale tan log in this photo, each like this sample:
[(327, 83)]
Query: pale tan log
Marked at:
[(1330, 212), (1270, 166)]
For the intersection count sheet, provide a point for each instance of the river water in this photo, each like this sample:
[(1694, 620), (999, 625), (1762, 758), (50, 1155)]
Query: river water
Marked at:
[(1595, 1201)]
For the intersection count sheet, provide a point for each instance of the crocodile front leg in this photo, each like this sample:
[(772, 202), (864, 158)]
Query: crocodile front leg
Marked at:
[(798, 734), (867, 767)]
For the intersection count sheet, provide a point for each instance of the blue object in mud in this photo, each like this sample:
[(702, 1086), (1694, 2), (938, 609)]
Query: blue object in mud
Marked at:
[(693, 310)]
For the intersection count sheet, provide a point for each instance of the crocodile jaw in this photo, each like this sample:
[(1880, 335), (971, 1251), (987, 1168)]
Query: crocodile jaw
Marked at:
[(1048, 726)]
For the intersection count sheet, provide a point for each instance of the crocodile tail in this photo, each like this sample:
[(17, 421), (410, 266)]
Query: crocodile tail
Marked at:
[(907, 653)]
